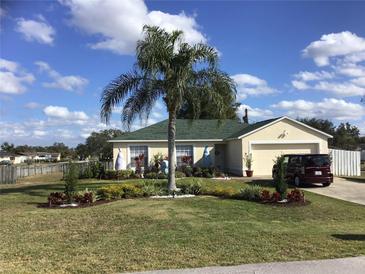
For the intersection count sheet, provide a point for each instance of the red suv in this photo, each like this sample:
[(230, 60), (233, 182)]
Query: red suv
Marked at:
[(307, 169)]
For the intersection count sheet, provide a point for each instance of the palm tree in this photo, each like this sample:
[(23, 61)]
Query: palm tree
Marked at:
[(169, 68)]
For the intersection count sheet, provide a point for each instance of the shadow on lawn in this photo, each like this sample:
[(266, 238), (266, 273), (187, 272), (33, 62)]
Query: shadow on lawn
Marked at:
[(350, 237)]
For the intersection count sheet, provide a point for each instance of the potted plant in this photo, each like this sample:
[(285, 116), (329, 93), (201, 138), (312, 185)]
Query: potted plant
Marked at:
[(248, 161)]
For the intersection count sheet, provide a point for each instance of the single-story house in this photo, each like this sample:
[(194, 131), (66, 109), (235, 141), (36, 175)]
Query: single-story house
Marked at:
[(42, 156), (12, 157), (227, 142)]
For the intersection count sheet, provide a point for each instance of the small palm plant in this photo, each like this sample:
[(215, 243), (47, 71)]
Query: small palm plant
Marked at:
[(168, 68)]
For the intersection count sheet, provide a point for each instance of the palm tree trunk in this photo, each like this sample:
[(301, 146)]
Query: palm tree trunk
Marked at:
[(171, 151)]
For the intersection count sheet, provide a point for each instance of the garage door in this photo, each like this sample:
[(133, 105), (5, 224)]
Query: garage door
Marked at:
[(263, 155)]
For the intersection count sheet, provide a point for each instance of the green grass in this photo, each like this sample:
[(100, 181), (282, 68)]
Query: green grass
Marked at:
[(145, 234)]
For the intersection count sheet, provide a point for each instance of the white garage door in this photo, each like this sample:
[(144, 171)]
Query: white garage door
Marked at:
[(263, 155)]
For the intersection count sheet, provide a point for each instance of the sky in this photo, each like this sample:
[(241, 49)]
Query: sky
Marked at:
[(301, 59)]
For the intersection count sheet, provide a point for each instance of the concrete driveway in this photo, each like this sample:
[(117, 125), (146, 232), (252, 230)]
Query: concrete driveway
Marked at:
[(343, 189), (354, 265)]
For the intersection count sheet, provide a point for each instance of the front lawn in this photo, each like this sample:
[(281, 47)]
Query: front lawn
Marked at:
[(145, 234)]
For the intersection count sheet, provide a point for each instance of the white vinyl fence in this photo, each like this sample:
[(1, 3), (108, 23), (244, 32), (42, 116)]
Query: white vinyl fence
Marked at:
[(345, 162)]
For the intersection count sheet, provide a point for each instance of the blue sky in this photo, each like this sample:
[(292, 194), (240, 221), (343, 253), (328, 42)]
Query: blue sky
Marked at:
[(302, 59)]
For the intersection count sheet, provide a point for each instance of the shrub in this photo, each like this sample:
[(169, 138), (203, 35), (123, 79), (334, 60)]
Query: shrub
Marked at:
[(220, 192), (119, 174), (295, 195), (149, 190), (265, 195), (188, 170), (56, 198), (179, 174), (71, 179), (151, 175), (131, 191), (251, 193), (207, 174), (281, 185), (193, 186), (85, 197), (197, 172), (161, 176), (275, 197), (110, 192)]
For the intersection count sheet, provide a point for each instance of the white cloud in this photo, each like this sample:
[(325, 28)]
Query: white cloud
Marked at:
[(69, 82), (13, 79), (359, 81), (251, 85), (39, 133), (312, 76), (120, 23), (36, 30), (255, 113), (32, 105), (65, 114), (344, 89), (343, 53), (328, 108), (335, 45), (351, 70)]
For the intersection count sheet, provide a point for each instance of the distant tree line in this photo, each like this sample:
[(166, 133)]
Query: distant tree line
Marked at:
[(95, 146), (345, 135)]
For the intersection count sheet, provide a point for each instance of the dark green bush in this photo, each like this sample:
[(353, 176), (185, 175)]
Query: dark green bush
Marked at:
[(197, 172), (179, 174), (161, 176), (151, 175), (71, 180), (119, 174), (281, 184)]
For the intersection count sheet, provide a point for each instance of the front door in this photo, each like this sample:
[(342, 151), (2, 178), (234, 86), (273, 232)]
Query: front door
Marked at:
[(219, 156)]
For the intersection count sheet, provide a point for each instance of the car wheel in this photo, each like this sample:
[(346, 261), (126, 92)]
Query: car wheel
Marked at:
[(296, 181), (326, 184)]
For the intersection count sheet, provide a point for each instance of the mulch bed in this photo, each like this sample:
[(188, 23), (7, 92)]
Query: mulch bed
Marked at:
[(100, 202), (288, 204)]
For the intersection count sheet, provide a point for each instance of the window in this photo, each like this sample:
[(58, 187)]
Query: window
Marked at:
[(317, 161), (184, 155), (136, 151), (295, 160)]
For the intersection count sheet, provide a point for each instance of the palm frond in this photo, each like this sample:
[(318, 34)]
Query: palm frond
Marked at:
[(117, 90)]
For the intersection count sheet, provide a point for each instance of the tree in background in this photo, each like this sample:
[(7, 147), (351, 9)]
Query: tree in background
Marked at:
[(97, 145), (169, 68), (345, 135), (8, 147)]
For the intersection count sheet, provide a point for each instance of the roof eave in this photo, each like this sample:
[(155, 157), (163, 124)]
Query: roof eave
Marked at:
[(278, 120), (165, 140)]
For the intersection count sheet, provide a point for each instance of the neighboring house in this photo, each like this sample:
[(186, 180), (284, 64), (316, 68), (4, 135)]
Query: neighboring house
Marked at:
[(12, 157), (227, 142), (42, 156)]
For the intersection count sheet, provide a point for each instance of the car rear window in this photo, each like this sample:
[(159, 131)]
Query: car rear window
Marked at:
[(317, 160)]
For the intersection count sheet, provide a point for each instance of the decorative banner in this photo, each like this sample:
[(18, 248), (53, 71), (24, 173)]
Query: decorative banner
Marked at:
[(119, 162)]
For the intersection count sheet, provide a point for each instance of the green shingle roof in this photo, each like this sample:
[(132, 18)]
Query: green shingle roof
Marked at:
[(194, 130)]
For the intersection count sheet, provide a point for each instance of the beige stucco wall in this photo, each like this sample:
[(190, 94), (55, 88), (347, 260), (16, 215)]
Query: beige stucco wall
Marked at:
[(298, 139), (161, 147)]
